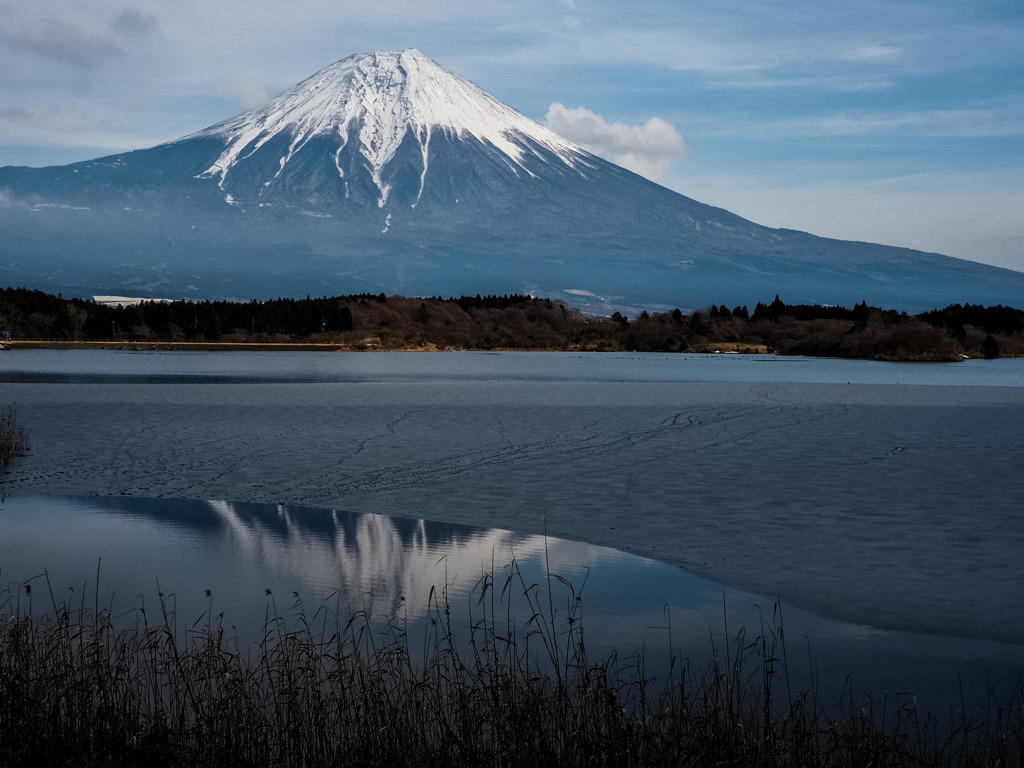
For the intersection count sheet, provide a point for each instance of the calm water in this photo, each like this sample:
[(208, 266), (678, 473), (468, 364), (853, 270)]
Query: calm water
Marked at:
[(880, 501)]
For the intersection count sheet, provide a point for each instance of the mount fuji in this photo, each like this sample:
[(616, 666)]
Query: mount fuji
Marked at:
[(385, 172)]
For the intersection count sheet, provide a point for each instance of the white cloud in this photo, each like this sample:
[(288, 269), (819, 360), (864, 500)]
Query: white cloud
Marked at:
[(649, 149)]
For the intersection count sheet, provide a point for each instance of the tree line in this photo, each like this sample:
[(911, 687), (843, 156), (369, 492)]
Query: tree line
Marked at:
[(376, 321)]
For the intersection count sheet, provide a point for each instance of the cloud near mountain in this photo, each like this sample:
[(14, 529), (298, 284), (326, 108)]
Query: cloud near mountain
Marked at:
[(649, 149)]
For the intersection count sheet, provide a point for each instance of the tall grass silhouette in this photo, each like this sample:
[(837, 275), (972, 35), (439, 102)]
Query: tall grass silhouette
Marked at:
[(515, 687)]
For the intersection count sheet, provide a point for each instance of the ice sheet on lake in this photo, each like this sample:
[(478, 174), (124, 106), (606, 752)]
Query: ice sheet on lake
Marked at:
[(892, 505)]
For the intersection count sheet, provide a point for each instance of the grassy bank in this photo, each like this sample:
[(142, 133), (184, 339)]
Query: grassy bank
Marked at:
[(322, 690)]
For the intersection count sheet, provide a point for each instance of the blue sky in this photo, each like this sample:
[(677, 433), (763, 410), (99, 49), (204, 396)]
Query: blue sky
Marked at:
[(893, 122)]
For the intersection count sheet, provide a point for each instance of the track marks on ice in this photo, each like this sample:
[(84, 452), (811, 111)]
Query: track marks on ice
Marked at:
[(579, 451), (321, 458)]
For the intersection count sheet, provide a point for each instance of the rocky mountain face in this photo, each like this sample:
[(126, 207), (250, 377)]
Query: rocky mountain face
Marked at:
[(386, 173)]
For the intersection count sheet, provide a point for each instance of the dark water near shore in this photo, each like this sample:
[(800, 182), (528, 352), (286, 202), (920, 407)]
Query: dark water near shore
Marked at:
[(157, 367), (881, 502)]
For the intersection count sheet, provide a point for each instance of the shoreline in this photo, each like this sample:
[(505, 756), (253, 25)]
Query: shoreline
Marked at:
[(726, 348)]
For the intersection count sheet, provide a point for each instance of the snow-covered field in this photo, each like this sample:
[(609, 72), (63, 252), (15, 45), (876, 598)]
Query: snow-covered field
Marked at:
[(884, 495)]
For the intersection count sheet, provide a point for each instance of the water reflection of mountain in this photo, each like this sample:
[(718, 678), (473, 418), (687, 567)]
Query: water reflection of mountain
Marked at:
[(184, 548), (373, 561)]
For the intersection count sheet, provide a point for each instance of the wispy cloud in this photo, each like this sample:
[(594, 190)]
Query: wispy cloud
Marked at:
[(133, 23), (843, 83), (15, 115), (996, 118), (939, 122), (75, 122), (872, 53), (246, 93), (61, 41), (649, 149)]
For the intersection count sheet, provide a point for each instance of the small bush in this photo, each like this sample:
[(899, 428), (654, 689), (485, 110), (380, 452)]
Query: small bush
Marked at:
[(14, 440)]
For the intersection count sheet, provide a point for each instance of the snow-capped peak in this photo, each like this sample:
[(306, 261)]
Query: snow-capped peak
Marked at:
[(385, 95)]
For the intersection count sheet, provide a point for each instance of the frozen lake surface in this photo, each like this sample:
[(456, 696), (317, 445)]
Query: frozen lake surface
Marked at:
[(883, 496)]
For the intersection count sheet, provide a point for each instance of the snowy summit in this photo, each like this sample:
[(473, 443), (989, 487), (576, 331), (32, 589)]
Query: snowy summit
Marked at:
[(376, 102)]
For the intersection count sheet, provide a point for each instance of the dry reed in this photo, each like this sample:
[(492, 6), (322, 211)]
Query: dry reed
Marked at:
[(79, 687)]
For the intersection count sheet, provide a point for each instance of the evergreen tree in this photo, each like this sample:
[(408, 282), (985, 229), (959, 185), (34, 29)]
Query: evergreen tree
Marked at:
[(990, 348)]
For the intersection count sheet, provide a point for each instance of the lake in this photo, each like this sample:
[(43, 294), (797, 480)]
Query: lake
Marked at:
[(879, 501)]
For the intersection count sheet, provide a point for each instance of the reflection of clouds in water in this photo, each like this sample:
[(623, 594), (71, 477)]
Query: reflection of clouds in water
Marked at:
[(374, 563)]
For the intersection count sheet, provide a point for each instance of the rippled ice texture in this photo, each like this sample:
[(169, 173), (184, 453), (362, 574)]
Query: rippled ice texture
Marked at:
[(883, 494)]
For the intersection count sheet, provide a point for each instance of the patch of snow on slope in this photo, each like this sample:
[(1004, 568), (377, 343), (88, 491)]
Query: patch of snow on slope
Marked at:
[(127, 301), (424, 142)]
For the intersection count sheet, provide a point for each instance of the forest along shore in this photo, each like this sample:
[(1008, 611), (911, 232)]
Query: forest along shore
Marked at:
[(365, 322)]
